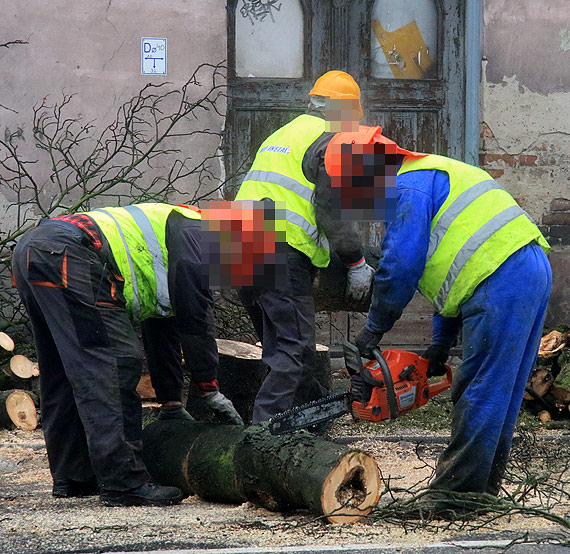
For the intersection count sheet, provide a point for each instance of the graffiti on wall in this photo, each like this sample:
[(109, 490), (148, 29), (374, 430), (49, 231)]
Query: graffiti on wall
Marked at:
[(259, 10)]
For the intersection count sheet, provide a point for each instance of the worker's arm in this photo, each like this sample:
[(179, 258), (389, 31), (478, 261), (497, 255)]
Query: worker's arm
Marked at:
[(404, 248), (445, 330), (342, 236)]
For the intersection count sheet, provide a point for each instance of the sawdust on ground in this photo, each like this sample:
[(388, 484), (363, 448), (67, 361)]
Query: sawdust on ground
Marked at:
[(32, 521)]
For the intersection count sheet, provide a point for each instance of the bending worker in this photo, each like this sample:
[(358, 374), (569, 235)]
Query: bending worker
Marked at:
[(289, 169), (82, 278), (456, 235)]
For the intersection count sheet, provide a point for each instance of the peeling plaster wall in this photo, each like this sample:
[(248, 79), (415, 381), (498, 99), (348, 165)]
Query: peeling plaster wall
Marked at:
[(93, 50), (525, 113)]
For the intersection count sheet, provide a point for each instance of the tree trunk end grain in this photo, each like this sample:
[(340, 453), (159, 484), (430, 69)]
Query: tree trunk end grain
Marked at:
[(351, 489), (18, 409)]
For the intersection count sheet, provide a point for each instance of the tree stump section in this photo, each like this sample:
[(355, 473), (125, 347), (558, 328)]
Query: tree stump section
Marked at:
[(18, 409), (240, 375), (234, 464), (23, 367)]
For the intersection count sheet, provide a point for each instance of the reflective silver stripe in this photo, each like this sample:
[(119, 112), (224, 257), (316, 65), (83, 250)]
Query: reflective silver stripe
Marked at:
[(281, 180), (470, 247), (136, 301), (455, 208), (162, 296), (311, 230)]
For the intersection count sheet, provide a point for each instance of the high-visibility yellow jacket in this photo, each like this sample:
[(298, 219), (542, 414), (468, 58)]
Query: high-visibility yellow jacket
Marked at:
[(476, 229), (277, 174), (136, 235)]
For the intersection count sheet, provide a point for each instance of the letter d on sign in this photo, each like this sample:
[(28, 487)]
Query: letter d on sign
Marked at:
[(146, 47)]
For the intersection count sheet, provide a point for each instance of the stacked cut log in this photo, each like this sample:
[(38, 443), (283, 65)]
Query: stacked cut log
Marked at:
[(234, 464), (548, 390), (18, 404)]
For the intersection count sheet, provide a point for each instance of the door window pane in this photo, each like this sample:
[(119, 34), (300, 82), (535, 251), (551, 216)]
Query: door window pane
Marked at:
[(269, 38), (403, 41)]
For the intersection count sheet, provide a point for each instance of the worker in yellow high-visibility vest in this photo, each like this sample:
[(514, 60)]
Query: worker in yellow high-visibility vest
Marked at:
[(289, 169), (83, 278), (459, 237)]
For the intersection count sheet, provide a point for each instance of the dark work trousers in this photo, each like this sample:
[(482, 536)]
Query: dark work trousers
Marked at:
[(89, 357), (192, 327), (284, 321), (502, 326)]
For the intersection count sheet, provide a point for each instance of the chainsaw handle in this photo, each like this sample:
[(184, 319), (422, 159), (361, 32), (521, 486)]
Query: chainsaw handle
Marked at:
[(389, 383), (443, 384)]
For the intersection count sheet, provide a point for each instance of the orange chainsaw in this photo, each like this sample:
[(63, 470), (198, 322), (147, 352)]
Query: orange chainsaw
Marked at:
[(392, 384)]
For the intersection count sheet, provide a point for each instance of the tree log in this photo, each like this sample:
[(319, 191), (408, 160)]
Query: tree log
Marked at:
[(561, 385), (23, 367), (240, 375), (18, 409), (233, 464)]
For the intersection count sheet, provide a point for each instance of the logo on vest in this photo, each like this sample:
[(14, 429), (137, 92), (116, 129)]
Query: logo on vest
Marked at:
[(277, 149)]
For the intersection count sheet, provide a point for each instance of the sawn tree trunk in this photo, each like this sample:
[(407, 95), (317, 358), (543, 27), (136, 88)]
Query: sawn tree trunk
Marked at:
[(234, 464)]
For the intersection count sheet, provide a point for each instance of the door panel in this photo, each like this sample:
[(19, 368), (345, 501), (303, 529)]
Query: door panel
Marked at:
[(423, 113)]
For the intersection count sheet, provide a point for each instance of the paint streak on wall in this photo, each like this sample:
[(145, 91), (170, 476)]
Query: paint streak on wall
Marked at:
[(565, 40)]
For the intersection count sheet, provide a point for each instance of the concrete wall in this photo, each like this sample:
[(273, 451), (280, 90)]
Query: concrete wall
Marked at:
[(525, 114), (93, 49)]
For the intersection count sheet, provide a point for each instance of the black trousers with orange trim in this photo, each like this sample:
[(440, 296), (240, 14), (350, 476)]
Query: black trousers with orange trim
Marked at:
[(89, 357)]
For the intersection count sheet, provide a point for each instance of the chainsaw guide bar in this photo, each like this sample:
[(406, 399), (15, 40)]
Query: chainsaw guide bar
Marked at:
[(312, 413)]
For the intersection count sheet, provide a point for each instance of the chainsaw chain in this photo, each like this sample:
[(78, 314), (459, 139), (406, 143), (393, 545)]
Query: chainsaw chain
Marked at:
[(313, 404)]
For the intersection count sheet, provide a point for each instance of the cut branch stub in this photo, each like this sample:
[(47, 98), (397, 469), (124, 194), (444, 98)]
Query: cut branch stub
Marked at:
[(6, 342), (17, 408), (234, 464), (23, 367)]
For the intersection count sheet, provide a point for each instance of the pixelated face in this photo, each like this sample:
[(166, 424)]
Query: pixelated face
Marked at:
[(341, 115), (364, 182), (243, 244)]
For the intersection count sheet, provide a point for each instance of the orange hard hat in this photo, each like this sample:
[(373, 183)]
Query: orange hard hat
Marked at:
[(339, 85)]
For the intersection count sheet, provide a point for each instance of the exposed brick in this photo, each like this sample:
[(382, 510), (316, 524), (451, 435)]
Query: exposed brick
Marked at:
[(506, 159), (495, 173), (556, 218), (561, 232), (486, 131), (526, 159), (560, 205)]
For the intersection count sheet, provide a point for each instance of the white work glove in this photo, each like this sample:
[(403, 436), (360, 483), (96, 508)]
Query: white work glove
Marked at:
[(359, 278), (223, 407)]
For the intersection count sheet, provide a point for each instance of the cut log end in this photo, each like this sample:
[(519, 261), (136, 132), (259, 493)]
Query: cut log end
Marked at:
[(6, 342), (352, 488), (21, 410), (23, 367)]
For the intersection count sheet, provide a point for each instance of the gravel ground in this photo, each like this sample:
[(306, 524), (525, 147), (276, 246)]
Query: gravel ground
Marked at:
[(32, 521)]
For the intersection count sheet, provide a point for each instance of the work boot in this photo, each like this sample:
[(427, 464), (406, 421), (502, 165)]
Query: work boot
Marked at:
[(174, 412), (148, 494), (68, 488)]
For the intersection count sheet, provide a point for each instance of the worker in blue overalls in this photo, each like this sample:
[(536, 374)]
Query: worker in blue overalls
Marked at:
[(456, 235)]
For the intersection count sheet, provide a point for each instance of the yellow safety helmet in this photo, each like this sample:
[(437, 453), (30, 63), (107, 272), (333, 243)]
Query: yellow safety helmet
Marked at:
[(337, 84)]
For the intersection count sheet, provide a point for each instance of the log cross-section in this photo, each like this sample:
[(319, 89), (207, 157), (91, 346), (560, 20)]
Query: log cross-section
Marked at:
[(233, 464)]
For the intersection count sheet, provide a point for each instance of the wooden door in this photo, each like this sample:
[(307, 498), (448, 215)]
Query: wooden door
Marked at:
[(406, 55)]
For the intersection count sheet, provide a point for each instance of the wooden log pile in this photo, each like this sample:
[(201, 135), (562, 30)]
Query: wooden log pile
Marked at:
[(548, 390), (18, 381)]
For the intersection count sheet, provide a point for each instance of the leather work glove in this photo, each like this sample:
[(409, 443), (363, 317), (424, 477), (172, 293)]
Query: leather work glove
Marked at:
[(437, 356), (366, 341), (359, 278), (218, 403)]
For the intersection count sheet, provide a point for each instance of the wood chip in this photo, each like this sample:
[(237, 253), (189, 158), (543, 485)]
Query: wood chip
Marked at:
[(552, 344)]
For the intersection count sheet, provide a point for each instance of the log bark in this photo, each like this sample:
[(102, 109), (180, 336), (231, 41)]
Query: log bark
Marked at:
[(233, 464), (18, 409), (240, 374), (561, 385)]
